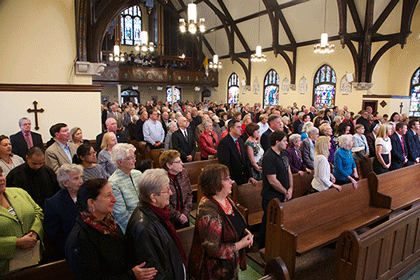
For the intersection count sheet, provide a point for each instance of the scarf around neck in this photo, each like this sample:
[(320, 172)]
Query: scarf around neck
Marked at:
[(105, 226)]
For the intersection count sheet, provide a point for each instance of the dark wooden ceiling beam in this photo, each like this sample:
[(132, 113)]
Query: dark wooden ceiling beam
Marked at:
[(234, 26), (355, 16), (384, 15)]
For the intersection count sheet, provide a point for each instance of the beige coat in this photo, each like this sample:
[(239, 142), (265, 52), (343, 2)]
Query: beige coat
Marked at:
[(56, 157)]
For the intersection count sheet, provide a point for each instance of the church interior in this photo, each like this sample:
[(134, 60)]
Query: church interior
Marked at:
[(70, 56)]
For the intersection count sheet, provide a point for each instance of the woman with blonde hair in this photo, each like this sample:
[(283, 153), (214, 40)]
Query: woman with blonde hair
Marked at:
[(383, 147), (323, 179), (104, 157)]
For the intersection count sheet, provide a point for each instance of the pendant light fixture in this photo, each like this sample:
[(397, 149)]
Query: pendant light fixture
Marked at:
[(324, 47), (145, 47), (192, 21), (215, 64), (258, 56)]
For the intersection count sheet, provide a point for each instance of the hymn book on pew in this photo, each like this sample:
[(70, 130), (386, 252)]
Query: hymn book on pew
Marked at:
[(25, 258)]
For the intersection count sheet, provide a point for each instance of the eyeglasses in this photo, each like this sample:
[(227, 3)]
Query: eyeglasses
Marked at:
[(130, 158), (168, 190)]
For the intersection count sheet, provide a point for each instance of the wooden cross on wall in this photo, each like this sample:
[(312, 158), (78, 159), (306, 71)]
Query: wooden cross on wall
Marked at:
[(36, 111)]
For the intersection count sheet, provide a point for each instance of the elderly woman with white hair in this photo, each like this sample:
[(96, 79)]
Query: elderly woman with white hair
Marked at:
[(344, 166), (152, 237), (172, 127), (60, 211), (306, 126), (294, 155), (123, 182)]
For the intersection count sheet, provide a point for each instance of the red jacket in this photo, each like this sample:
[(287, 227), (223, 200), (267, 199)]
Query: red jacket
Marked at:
[(206, 144)]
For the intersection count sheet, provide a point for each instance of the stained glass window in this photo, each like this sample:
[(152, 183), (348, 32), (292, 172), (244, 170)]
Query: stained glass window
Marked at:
[(131, 26), (271, 88), (233, 89), (324, 87), (174, 96), (415, 95)]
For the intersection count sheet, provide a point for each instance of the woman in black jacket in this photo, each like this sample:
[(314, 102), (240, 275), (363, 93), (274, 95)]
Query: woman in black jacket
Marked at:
[(96, 248), (152, 237)]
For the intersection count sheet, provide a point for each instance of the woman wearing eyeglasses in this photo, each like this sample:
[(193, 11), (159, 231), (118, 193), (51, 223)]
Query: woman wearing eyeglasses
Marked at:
[(151, 236), (220, 234), (86, 157), (180, 202)]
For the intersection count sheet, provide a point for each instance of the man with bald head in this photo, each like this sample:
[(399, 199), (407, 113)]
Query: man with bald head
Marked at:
[(111, 126), (183, 141)]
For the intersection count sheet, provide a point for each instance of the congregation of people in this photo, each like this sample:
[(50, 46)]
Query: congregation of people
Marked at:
[(91, 204)]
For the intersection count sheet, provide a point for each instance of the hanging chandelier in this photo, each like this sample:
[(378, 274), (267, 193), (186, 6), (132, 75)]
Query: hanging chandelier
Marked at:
[(258, 56), (193, 26), (215, 64), (324, 46), (116, 56), (145, 47)]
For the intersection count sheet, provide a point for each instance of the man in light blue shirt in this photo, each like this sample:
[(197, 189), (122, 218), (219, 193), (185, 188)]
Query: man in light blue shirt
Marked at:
[(153, 131)]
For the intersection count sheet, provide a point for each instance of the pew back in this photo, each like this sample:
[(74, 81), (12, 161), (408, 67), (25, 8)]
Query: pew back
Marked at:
[(194, 169), (364, 167), (248, 199), (302, 184), (385, 252), (401, 185), (309, 222), (50, 271), (186, 237)]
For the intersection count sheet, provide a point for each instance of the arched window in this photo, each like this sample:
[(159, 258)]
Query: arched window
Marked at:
[(130, 95), (324, 87), (271, 89), (415, 94), (233, 89), (174, 96), (131, 26)]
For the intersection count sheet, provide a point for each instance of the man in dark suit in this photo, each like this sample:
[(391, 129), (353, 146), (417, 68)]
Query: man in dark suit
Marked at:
[(275, 123), (116, 115), (231, 152), (25, 139), (111, 126), (412, 140), (139, 125), (183, 141), (399, 147), (364, 121)]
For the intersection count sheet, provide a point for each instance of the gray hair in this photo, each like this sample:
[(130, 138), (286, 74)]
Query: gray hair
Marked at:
[(306, 126), (151, 182), (135, 117), (121, 151), (23, 119), (294, 138), (207, 123), (171, 124), (343, 140), (64, 170), (312, 130)]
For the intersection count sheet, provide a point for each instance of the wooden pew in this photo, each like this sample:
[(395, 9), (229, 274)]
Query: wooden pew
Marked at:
[(248, 200), (401, 185), (248, 197), (50, 271), (154, 155), (313, 221), (364, 167), (301, 185), (276, 270), (140, 150), (186, 237), (194, 169), (386, 252)]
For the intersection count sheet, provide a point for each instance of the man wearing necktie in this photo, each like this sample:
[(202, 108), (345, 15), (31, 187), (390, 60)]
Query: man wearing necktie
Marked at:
[(25, 139), (183, 141), (399, 147), (231, 152)]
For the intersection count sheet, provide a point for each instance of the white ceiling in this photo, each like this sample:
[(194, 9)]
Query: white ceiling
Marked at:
[(306, 21)]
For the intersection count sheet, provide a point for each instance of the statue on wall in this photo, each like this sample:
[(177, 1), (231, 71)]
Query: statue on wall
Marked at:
[(285, 85), (256, 86), (303, 85), (345, 85)]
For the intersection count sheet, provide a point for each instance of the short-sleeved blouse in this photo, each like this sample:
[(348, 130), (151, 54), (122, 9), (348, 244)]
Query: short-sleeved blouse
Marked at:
[(386, 145)]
